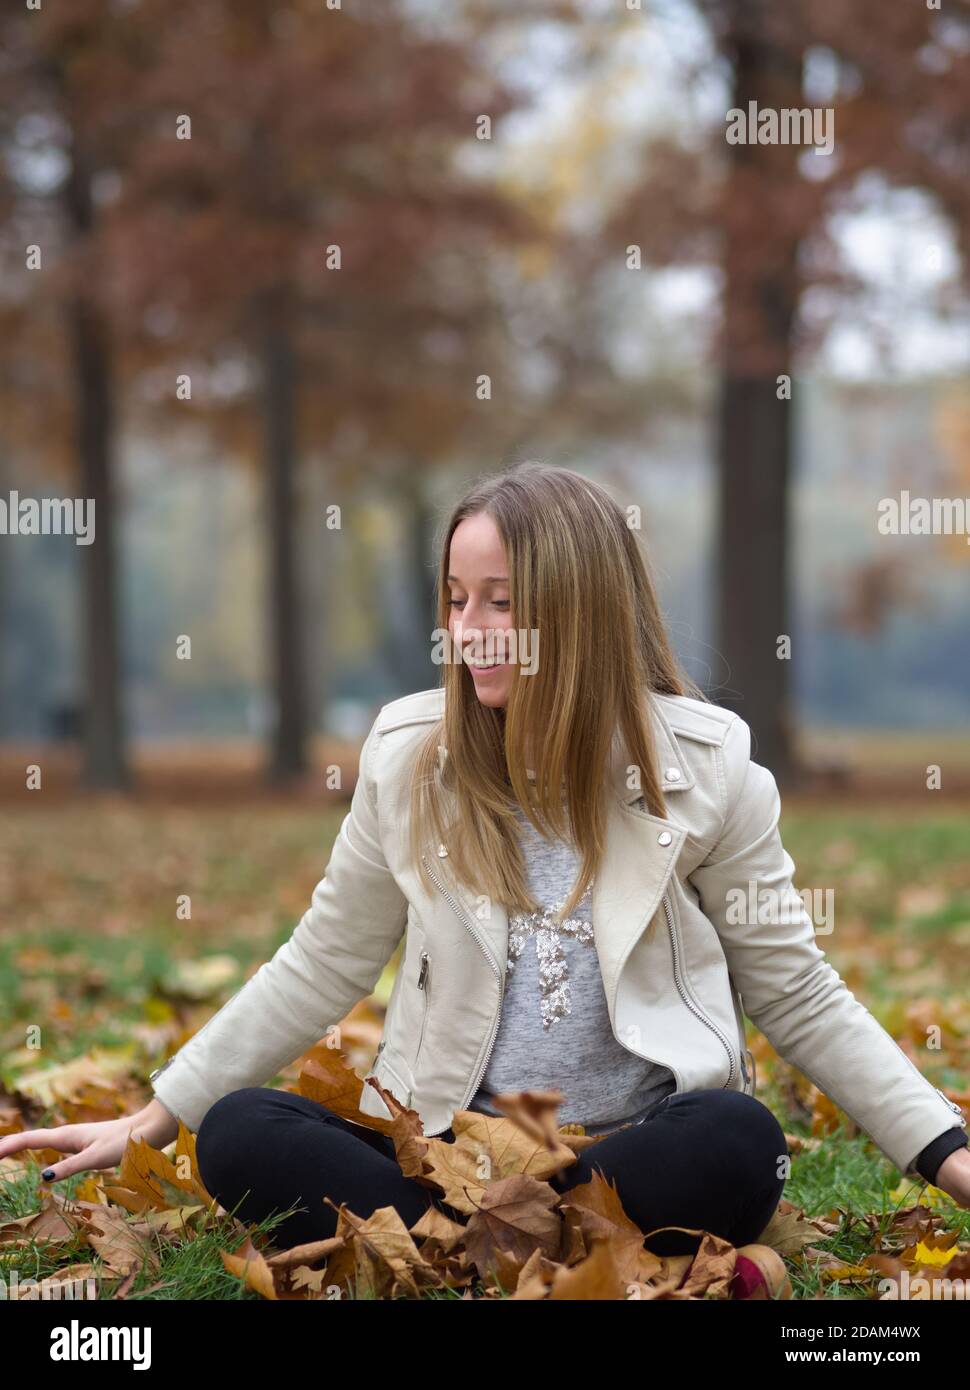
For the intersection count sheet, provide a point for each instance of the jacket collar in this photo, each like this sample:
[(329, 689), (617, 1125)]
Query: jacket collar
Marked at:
[(673, 769)]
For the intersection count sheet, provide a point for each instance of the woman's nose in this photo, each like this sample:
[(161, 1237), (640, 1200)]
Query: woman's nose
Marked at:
[(472, 617)]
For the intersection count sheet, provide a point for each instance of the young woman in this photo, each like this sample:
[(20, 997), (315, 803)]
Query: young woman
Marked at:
[(585, 866)]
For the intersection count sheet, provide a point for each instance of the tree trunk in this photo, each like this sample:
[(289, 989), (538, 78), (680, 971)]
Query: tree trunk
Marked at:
[(755, 443), (104, 759), (410, 612), (755, 426), (288, 740)]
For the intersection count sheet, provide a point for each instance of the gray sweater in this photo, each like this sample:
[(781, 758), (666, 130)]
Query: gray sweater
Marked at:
[(554, 1030)]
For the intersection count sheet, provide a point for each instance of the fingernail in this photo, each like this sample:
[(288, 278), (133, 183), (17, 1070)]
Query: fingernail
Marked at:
[(47, 1174)]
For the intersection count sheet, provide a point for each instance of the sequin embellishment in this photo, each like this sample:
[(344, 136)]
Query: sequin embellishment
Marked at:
[(553, 971)]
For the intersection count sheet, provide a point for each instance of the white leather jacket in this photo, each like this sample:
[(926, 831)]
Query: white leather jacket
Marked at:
[(673, 998)]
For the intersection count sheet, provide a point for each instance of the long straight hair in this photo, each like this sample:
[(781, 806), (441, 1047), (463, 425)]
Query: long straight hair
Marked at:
[(578, 577)]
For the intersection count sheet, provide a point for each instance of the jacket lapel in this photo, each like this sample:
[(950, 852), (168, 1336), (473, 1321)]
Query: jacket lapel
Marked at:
[(640, 856)]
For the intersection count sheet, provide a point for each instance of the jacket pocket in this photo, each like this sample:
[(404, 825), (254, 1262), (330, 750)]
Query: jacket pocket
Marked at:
[(687, 994), (402, 1087), (424, 984), (393, 1073)]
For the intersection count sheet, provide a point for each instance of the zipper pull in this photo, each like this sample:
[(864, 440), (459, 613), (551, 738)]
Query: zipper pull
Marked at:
[(754, 1070), (423, 972)]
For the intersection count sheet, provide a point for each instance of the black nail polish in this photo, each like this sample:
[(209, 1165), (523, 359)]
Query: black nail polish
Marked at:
[(47, 1174)]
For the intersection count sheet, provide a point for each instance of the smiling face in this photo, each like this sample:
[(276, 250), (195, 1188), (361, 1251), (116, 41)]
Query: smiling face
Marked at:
[(478, 583)]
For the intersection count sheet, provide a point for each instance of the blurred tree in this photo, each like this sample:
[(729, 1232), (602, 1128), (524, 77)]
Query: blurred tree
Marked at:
[(64, 133), (896, 84), (305, 228), (262, 210)]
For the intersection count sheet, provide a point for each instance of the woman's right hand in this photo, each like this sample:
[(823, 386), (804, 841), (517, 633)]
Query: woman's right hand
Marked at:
[(98, 1144)]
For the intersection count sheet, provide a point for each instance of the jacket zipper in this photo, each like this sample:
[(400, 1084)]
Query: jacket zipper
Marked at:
[(466, 920), (952, 1104), (750, 1080), (694, 1007), (943, 1097), (422, 985), (422, 977), (754, 1073)]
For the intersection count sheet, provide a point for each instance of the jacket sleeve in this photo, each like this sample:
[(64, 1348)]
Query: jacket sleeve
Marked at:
[(334, 958), (788, 988)]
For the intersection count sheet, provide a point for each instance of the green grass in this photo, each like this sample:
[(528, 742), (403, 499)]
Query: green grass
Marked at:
[(848, 1175)]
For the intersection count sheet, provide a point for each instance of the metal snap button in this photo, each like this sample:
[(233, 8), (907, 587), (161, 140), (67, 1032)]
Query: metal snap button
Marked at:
[(672, 774), (664, 838)]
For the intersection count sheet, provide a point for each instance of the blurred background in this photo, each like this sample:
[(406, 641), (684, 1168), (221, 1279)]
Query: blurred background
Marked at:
[(279, 281)]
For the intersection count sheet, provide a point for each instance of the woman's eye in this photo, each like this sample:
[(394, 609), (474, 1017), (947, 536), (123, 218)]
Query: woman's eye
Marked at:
[(502, 603)]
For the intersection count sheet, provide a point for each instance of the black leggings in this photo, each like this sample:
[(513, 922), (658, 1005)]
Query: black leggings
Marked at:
[(712, 1160)]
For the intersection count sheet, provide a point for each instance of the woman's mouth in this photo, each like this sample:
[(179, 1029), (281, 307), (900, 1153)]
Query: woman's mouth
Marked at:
[(481, 668)]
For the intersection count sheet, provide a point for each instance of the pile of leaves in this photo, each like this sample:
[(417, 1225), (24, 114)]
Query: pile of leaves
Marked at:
[(512, 1233)]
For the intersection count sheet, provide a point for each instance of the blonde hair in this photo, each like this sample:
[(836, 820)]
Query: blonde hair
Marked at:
[(577, 576)]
